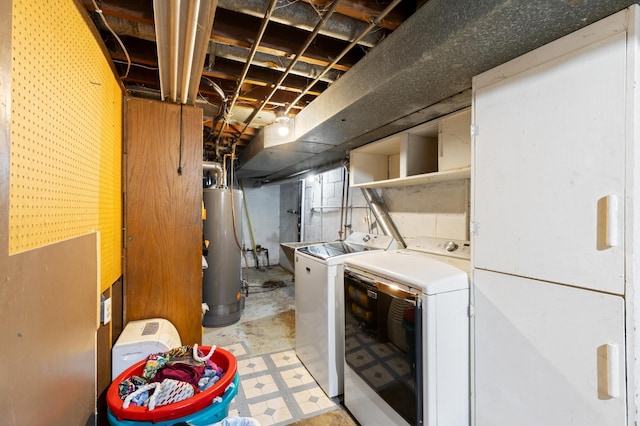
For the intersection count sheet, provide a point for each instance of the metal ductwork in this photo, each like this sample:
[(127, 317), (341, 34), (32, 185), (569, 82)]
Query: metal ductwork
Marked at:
[(382, 216), (421, 71)]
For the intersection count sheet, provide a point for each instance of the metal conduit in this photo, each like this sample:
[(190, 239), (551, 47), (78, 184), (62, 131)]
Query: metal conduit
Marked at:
[(254, 48), (294, 61), (371, 26), (303, 15)]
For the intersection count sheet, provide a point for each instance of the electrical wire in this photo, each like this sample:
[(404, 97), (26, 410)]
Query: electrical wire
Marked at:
[(180, 154), (147, 67), (106, 24)]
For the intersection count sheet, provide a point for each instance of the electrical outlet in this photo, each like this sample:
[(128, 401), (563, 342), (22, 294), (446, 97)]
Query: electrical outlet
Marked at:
[(105, 311)]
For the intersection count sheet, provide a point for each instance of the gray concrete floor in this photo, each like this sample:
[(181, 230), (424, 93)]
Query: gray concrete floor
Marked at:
[(267, 325), (267, 321)]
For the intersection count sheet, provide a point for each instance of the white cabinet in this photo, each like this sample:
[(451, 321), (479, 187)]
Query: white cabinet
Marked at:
[(435, 151), (547, 354), (454, 141), (549, 170), (397, 156), (554, 246)]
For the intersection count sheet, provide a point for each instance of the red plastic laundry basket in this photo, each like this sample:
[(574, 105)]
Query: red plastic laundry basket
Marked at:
[(224, 359)]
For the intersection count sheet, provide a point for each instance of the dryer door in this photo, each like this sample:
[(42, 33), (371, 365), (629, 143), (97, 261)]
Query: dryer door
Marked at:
[(383, 343)]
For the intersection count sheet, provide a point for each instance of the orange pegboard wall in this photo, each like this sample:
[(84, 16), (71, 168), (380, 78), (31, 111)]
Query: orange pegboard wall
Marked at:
[(66, 134)]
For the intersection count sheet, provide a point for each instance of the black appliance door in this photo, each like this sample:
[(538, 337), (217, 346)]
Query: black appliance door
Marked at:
[(383, 342)]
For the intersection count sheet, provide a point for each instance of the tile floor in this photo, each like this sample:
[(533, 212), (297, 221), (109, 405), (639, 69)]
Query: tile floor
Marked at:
[(275, 388)]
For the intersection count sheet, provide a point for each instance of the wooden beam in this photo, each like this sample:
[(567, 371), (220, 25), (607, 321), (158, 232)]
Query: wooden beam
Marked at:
[(365, 11)]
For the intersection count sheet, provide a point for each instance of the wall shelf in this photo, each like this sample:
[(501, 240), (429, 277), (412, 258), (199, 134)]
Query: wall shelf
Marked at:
[(427, 178), (436, 151)]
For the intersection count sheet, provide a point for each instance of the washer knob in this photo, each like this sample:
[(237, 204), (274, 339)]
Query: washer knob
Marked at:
[(450, 246)]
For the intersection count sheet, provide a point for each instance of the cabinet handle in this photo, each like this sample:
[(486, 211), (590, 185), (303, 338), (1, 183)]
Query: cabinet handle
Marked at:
[(612, 220), (613, 371), (608, 222)]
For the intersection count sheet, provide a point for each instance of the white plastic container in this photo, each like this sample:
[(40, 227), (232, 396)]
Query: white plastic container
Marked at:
[(141, 338)]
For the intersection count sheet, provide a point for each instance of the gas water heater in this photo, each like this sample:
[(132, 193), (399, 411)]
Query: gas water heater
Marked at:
[(222, 284)]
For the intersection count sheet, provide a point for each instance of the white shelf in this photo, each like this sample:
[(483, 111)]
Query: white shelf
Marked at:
[(463, 173), (436, 151)]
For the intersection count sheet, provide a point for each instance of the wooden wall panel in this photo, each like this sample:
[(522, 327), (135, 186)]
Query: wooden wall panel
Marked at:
[(49, 305), (163, 272)]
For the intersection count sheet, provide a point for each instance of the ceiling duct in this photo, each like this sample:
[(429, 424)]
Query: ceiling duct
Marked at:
[(183, 29), (422, 71)]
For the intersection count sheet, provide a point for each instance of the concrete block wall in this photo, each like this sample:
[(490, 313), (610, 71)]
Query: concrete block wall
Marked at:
[(434, 210), (322, 206), (263, 205)]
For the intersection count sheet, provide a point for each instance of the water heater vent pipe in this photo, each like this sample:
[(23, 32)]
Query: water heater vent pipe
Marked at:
[(382, 216), (217, 168)]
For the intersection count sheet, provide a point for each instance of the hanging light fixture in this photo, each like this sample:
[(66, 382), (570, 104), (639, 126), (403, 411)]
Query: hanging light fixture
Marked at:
[(183, 30), (282, 121)]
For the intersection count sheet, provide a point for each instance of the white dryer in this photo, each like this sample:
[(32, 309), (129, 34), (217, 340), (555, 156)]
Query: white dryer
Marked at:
[(407, 335)]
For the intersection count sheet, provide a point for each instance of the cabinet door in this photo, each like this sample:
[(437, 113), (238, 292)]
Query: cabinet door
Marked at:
[(547, 354), (549, 164), (163, 215)]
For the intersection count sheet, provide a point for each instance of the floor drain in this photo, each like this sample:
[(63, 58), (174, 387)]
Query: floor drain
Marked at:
[(273, 284)]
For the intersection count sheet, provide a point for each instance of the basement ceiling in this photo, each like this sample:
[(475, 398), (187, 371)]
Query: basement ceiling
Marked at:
[(236, 27), (415, 64)]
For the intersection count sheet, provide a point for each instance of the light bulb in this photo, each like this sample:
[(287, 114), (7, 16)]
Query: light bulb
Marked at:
[(283, 129), (283, 124)]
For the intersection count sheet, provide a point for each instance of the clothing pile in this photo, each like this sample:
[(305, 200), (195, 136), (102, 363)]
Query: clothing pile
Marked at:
[(169, 377)]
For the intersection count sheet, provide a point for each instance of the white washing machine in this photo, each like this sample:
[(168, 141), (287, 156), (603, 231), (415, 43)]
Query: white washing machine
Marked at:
[(406, 326), (319, 306)]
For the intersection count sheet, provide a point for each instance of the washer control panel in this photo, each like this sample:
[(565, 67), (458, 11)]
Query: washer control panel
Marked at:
[(446, 247), (371, 241)]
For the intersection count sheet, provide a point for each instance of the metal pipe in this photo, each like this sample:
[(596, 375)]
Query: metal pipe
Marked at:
[(246, 208), (275, 62), (236, 53), (216, 88), (371, 26), (303, 15), (254, 48), (303, 197), (382, 216), (345, 201), (233, 157), (293, 62), (216, 167)]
